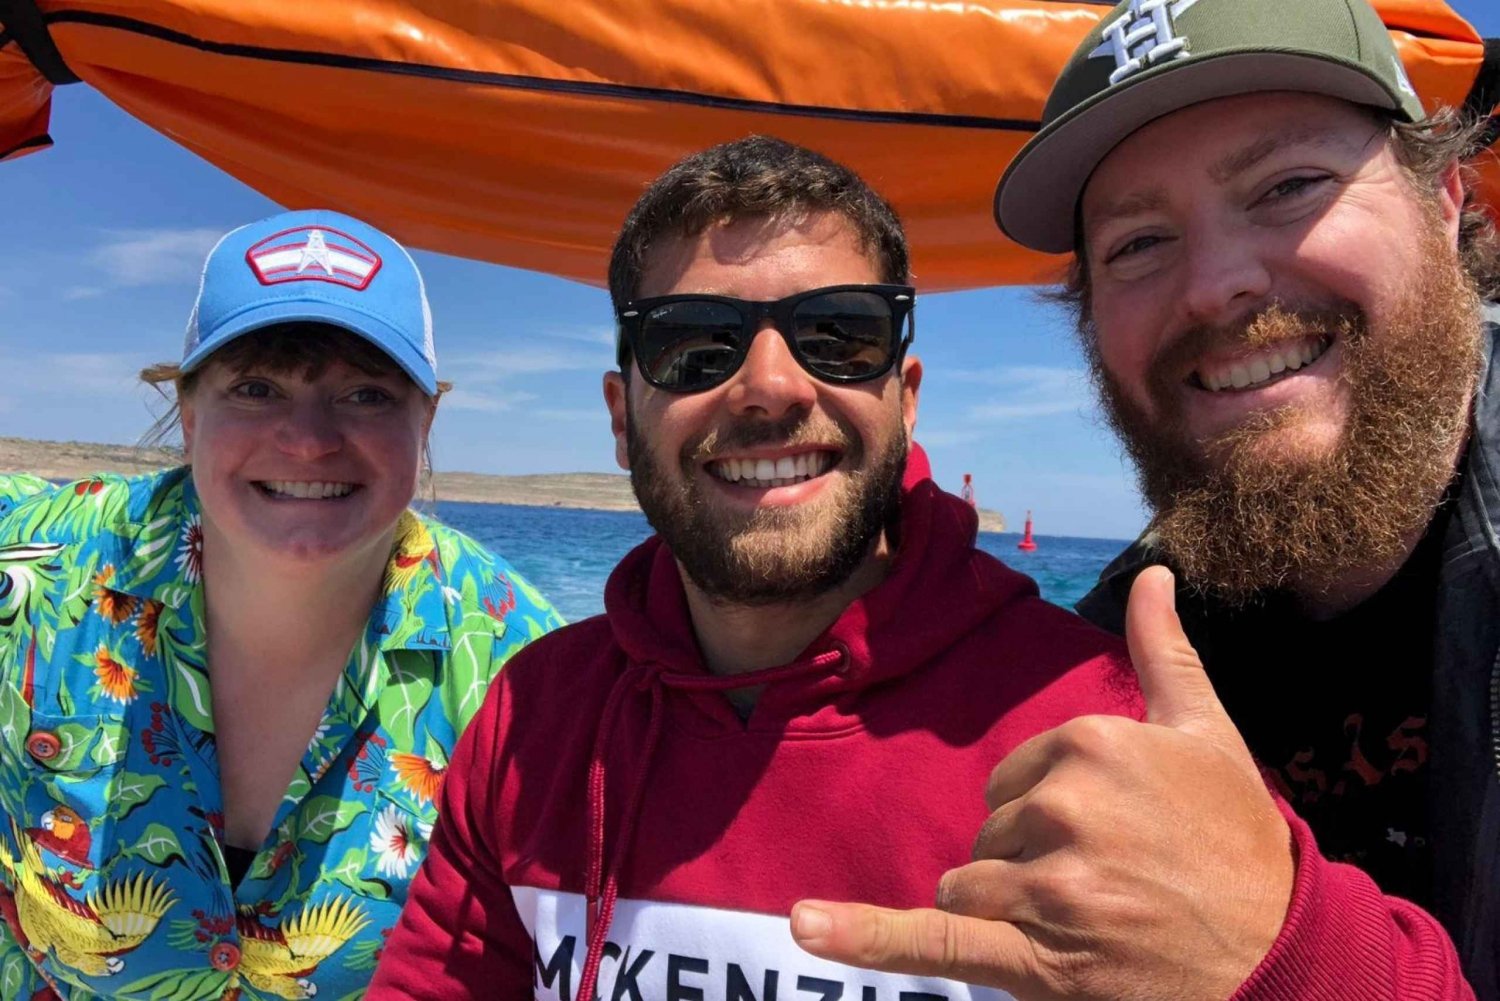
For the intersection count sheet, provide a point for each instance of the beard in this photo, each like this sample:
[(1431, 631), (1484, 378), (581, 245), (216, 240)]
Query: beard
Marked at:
[(771, 555), (1247, 512)]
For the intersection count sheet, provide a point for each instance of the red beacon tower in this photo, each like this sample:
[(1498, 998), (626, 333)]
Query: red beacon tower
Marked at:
[(1027, 543), (967, 490)]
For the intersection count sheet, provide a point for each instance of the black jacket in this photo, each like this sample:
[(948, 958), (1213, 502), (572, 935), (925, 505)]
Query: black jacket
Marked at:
[(1464, 728)]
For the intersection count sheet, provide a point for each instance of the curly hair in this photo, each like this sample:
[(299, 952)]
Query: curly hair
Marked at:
[(752, 178), (1425, 150)]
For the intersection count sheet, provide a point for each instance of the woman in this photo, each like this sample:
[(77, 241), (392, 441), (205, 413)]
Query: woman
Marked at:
[(205, 793)]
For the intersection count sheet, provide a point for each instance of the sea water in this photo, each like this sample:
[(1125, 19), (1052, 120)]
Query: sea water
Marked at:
[(568, 554)]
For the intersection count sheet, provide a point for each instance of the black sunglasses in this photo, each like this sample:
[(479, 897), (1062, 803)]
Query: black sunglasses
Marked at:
[(839, 333)]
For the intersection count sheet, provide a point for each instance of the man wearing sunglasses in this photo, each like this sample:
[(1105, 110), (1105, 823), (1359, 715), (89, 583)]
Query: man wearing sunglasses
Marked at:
[(792, 678)]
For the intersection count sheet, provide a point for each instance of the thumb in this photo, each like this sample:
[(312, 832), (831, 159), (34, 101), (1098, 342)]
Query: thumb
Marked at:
[(1178, 693)]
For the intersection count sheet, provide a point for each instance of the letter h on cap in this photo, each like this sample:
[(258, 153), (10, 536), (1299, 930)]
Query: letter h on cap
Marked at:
[(1143, 37)]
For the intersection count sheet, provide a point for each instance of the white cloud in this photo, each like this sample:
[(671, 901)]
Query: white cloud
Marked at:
[(603, 334), (598, 414), (86, 395), (502, 363), (135, 257), (484, 402), (491, 381), (69, 372), (945, 437), (76, 292), (1021, 375), (998, 412), (1027, 391)]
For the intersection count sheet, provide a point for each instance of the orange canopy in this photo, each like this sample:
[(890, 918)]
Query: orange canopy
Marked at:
[(520, 131)]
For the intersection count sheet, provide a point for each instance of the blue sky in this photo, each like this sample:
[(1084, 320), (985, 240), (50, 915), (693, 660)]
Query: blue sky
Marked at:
[(105, 234)]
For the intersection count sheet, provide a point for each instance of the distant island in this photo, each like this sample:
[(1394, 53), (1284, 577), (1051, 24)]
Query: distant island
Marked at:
[(67, 460)]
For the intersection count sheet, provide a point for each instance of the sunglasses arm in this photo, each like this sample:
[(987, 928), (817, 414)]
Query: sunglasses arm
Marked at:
[(911, 334)]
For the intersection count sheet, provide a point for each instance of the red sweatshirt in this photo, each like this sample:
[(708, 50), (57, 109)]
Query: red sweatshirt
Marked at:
[(858, 776)]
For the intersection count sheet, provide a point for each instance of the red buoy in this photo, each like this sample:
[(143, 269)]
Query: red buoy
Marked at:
[(1027, 543)]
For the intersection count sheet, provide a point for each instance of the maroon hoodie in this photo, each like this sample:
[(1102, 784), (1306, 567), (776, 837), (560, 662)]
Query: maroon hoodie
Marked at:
[(608, 814)]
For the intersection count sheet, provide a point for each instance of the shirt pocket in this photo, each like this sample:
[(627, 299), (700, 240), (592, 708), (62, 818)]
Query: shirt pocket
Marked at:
[(64, 783), (396, 842), (64, 789)]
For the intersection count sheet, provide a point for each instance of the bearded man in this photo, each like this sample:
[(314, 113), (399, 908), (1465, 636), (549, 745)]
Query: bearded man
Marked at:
[(793, 676), (1281, 282)]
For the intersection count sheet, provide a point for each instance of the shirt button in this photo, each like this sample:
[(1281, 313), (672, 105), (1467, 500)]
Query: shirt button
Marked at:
[(224, 957), (43, 746)]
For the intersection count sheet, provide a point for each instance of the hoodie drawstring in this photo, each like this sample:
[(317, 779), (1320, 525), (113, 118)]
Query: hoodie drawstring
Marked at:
[(601, 885)]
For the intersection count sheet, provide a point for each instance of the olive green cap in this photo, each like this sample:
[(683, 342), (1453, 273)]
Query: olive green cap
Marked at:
[(1149, 58)]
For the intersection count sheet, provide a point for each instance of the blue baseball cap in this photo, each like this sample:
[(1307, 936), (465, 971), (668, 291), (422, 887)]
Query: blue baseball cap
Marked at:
[(314, 266)]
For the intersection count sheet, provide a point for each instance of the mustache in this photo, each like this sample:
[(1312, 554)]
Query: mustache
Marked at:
[(1272, 324), (790, 431)]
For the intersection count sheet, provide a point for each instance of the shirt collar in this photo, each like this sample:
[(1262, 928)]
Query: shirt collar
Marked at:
[(417, 609), (160, 557), (158, 554), (1479, 500)]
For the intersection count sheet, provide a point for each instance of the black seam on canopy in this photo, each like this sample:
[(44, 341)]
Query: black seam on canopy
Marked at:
[(1486, 85), (35, 142), (517, 82), (24, 22)]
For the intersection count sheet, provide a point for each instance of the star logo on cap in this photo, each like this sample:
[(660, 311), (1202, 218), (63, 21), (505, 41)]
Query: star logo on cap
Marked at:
[(1143, 36), (313, 254), (316, 252)]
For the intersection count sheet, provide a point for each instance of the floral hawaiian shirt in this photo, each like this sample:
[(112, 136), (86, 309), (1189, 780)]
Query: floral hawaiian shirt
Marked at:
[(16, 487), (113, 880)]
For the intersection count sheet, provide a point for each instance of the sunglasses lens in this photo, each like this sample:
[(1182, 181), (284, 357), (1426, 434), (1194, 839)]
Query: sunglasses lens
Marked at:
[(691, 344), (845, 335)]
